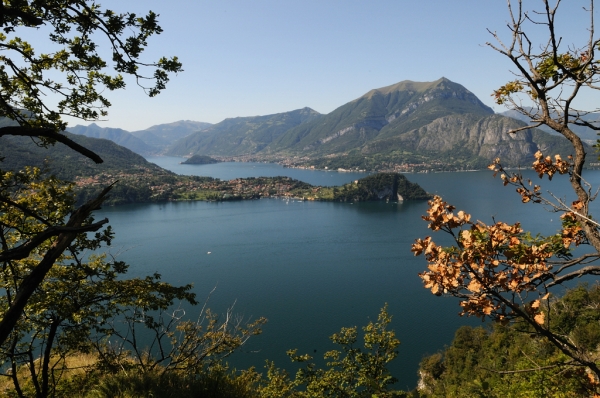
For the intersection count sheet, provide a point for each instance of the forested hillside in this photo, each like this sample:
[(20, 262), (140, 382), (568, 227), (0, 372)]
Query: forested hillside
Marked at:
[(242, 135), (381, 186), (68, 164)]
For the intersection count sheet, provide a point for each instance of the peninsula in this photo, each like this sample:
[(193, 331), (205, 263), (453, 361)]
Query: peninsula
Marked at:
[(377, 187), (200, 159)]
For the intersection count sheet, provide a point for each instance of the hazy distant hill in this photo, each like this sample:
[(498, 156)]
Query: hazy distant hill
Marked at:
[(242, 135), (585, 133), (163, 135), (118, 136), (151, 141)]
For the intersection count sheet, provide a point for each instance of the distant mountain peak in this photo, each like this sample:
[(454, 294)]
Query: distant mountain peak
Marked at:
[(412, 86)]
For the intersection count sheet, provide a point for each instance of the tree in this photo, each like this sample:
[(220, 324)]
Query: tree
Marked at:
[(499, 271), (36, 91), (505, 362), (86, 305), (352, 372)]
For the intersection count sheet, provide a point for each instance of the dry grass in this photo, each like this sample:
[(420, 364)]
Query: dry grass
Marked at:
[(74, 365), (80, 377)]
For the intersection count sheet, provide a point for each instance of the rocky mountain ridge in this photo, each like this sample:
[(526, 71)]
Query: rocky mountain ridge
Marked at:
[(407, 126)]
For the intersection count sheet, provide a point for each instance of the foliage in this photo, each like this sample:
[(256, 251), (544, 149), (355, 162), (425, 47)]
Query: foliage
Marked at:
[(37, 90), (505, 361), (354, 370), (351, 372), (217, 382), (74, 28), (499, 271), (171, 343), (78, 295)]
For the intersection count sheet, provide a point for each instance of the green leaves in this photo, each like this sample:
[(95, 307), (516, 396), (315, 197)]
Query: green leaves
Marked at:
[(352, 371), (75, 74)]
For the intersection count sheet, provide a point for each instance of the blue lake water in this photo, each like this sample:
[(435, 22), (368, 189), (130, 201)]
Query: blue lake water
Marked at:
[(309, 267), (231, 170)]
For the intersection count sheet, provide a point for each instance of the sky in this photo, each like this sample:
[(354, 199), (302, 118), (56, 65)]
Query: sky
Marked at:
[(260, 57)]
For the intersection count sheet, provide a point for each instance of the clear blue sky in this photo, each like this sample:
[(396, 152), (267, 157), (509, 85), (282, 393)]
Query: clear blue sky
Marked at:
[(246, 58)]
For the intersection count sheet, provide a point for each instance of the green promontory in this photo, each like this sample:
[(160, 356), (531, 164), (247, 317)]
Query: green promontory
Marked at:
[(200, 159), (380, 186)]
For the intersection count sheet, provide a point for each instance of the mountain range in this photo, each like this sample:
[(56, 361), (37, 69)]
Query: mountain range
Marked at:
[(439, 124), (151, 141), (406, 126)]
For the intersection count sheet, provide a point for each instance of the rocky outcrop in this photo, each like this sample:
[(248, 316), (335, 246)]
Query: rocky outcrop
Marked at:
[(487, 138)]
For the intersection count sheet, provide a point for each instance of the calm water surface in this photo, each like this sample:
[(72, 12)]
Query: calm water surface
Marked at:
[(231, 170), (311, 268)]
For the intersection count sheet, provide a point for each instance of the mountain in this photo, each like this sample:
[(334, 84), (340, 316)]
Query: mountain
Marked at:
[(151, 141), (163, 135), (242, 135), (68, 164), (436, 124), (408, 126), (380, 115), (118, 136), (586, 134)]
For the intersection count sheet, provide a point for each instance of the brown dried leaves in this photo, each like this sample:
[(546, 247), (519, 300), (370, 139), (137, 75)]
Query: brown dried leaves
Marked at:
[(544, 165), (487, 261)]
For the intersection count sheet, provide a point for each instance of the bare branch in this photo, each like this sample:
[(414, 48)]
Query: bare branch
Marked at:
[(590, 270)]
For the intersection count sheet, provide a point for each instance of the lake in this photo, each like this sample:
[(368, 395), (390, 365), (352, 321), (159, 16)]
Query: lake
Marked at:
[(311, 267)]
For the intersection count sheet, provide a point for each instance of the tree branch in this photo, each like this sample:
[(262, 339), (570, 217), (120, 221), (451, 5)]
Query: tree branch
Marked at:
[(51, 134), (589, 270), (24, 250), (31, 282)]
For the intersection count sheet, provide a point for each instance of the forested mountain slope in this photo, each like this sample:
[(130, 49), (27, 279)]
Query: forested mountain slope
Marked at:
[(242, 135), (67, 164), (380, 114)]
